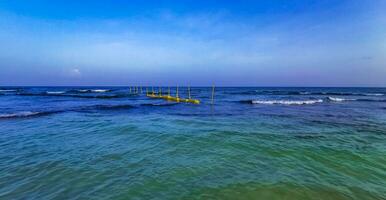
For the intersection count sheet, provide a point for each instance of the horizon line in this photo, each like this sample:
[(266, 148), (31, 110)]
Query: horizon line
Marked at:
[(1, 86)]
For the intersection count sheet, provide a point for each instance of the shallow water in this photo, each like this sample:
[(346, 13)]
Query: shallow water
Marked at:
[(254, 143)]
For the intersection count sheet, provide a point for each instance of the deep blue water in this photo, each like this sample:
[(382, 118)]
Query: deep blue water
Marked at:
[(253, 143)]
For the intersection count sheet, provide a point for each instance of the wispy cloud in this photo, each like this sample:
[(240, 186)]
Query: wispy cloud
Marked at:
[(74, 73), (250, 48)]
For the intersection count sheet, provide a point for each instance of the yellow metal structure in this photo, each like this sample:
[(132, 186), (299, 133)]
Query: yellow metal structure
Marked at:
[(168, 97)]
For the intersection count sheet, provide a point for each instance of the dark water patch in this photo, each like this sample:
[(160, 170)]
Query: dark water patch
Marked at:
[(274, 92), (104, 107), (245, 101), (372, 100), (203, 114), (242, 93), (113, 107), (308, 136), (158, 104), (29, 114)]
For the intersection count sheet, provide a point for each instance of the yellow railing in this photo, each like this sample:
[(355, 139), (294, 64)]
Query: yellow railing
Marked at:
[(168, 97)]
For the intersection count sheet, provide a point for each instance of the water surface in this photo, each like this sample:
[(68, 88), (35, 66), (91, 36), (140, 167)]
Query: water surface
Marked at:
[(253, 143)]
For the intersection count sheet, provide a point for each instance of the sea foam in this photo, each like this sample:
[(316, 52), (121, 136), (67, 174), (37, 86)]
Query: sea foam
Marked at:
[(339, 99), (99, 90), (55, 92), (374, 94), (7, 90), (287, 102), (19, 114)]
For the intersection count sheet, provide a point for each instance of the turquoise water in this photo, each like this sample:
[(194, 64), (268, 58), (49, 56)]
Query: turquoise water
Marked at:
[(254, 143)]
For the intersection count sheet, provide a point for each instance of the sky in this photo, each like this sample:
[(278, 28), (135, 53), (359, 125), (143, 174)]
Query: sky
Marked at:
[(197, 43)]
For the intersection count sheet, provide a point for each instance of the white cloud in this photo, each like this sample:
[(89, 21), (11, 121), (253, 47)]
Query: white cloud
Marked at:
[(75, 73)]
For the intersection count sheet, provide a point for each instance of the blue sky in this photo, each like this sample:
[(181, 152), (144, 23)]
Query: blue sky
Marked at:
[(248, 43)]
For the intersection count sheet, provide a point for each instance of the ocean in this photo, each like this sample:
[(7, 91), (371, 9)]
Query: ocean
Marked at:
[(252, 143)]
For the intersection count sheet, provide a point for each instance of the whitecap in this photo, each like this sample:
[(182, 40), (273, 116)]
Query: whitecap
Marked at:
[(7, 90), (287, 102), (55, 92), (339, 99), (374, 94), (99, 90), (19, 114), (305, 93)]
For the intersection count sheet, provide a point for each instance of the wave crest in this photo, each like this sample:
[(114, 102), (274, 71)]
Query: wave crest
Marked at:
[(99, 90), (89, 91), (374, 94), (281, 92), (287, 102), (7, 90), (25, 114), (18, 114), (55, 92), (339, 99)]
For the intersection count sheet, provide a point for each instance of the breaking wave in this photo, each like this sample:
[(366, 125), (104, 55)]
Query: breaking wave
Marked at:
[(89, 91), (99, 90), (7, 90), (306, 102), (55, 92), (339, 99), (286, 102), (364, 100), (25, 114), (374, 94), (280, 92)]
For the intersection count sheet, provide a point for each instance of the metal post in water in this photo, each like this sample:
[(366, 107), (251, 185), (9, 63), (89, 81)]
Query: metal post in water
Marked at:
[(189, 92), (212, 94), (177, 92)]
